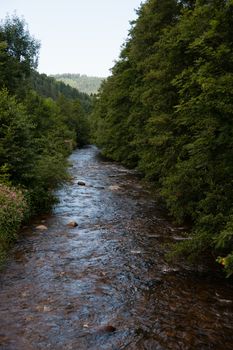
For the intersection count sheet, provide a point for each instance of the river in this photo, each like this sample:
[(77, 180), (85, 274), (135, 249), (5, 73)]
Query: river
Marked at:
[(105, 284)]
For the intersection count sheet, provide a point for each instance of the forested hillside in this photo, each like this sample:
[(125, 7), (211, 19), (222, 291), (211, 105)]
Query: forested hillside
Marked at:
[(167, 109), (49, 87), (83, 83), (41, 121)]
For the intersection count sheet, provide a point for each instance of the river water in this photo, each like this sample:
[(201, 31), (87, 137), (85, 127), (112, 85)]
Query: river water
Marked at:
[(105, 284)]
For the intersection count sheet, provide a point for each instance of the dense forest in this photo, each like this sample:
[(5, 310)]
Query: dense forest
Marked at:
[(84, 83), (167, 110), (41, 121)]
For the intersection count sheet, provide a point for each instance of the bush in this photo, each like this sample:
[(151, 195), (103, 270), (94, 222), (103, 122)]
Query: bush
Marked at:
[(13, 210)]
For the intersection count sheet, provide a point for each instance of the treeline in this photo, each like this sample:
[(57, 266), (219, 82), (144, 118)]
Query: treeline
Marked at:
[(41, 121), (167, 109), (84, 83)]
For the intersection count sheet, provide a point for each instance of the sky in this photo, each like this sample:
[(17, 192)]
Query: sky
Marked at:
[(76, 36)]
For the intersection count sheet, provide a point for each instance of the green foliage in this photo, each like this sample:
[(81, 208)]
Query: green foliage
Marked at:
[(48, 87), (4, 174), (18, 54), (26, 141), (227, 263), (83, 83), (75, 118), (167, 109), (16, 141), (13, 209), (224, 244)]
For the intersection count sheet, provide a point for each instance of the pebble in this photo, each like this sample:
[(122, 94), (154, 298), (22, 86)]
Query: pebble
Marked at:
[(136, 251)]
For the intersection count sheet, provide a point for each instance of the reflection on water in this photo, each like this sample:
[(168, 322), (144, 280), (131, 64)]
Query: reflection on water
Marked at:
[(105, 284)]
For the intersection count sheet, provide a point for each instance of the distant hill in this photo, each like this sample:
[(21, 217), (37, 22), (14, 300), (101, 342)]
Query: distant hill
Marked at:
[(83, 83), (47, 86)]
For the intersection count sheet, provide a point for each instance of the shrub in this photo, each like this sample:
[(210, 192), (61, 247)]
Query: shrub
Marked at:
[(13, 209)]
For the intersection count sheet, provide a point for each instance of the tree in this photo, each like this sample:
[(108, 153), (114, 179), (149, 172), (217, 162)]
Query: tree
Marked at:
[(168, 106), (16, 139), (19, 54)]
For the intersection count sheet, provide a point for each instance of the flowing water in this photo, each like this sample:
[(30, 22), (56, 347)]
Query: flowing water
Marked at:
[(105, 284)]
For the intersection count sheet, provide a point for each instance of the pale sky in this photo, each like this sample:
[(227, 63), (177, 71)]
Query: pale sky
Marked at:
[(76, 36)]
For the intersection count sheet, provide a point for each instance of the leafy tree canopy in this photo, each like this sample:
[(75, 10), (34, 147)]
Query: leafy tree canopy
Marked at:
[(18, 53), (167, 110)]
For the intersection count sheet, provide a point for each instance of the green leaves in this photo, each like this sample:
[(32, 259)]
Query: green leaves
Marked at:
[(167, 109), (18, 54), (16, 140), (13, 209)]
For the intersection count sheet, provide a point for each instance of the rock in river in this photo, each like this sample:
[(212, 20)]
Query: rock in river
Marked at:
[(41, 227), (81, 183), (72, 224), (106, 329)]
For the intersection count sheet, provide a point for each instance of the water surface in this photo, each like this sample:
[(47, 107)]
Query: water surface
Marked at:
[(105, 284)]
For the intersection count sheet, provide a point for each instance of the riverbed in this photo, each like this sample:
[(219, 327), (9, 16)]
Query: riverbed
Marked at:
[(105, 284)]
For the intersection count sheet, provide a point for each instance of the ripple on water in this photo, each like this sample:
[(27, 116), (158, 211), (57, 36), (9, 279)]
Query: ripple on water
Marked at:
[(105, 284)]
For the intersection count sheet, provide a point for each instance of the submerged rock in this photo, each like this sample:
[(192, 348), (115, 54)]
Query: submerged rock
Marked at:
[(114, 188), (42, 227), (107, 329)]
